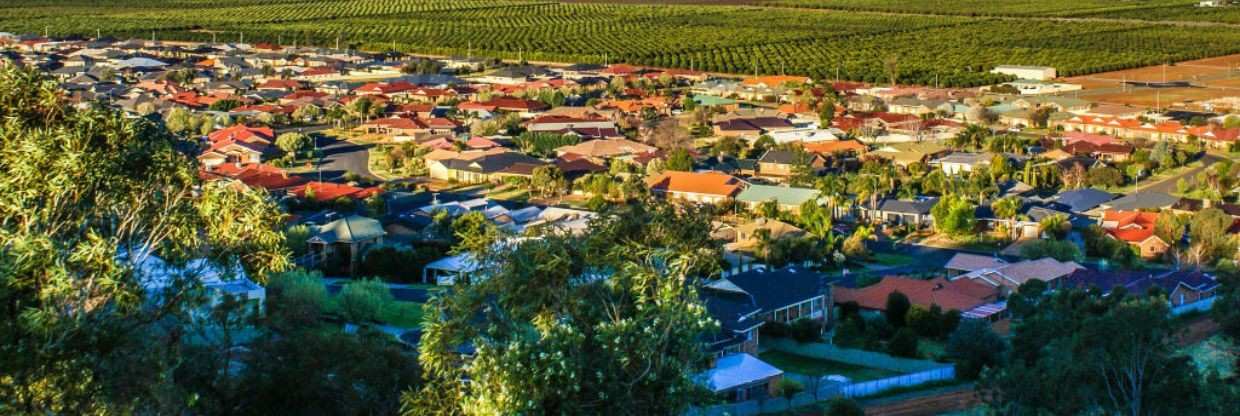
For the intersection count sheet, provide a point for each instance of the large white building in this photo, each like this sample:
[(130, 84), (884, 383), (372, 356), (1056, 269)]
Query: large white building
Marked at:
[(1039, 73)]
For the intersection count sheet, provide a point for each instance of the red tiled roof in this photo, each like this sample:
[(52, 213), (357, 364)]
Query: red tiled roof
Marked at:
[(243, 133), (961, 294), (329, 191), (255, 175), (1129, 226)]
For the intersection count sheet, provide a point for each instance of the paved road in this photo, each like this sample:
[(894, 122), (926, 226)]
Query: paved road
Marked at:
[(340, 156), (1168, 185)]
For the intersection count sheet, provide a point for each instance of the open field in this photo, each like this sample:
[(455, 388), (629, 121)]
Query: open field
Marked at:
[(912, 47), (1210, 78)]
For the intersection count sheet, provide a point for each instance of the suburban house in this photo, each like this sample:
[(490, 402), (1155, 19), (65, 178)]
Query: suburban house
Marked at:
[(1008, 277), (603, 150), (345, 240), (482, 166), (701, 187), (156, 275), (962, 162), (742, 302), (740, 377), (962, 263), (1144, 200), (1182, 287), (781, 164), (750, 236), (261, 176), (590, 128), (787, 198), (838, 147), (751, 127), (1081, 201), (904, 154), (897, 212), (949, 295), (238, 144), (331, 191), (1137, 229), (1037, 73)]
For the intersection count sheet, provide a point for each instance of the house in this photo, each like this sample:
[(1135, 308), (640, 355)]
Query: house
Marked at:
[(1111, 152), (740, 377), (704, 187), (1182, 287), (588, 128), (786, 198), (331, 191), (750, 236), (345, 240), (1137, 229), (1008, 277), (895, 212), (1080, 201), (1037, 73), (602, 150), (961, 263), (904, 154), (156, 275), (781, 164), (483, 166), (742, 302), (262, 176), (949, 295), (233, 151), (1145, 200), (836, 148), (962, 162), (751, 126)]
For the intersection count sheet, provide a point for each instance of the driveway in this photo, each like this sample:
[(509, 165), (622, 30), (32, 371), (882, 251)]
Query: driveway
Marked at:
[(340, 157)]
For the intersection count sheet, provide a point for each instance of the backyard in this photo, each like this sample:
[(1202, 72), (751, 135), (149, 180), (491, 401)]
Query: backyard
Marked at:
[(815, 367)]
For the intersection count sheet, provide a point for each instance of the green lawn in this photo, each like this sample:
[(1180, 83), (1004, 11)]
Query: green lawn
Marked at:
[(891, 259), (816, 367), (403, 314)]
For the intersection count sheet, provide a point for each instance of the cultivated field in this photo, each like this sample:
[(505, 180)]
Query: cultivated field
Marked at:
[(1211, 78), (897, 39)]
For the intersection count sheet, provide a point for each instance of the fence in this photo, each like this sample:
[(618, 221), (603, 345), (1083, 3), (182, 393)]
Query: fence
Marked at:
[(850, 356), (821, 388), (1201, 305)]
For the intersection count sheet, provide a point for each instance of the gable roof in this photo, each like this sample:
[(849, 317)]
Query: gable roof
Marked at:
[(1143, 200), (1081, 200), (971, 262), (786, 196), (1015, 274), (708, 183), (775, 289), (350, 229)]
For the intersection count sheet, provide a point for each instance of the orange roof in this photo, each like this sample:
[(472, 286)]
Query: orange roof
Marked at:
[(244, 134), (961, 295), (834, 146), (775, 80), (1129, 226), (708, 183), (329, 191), (255, 175)]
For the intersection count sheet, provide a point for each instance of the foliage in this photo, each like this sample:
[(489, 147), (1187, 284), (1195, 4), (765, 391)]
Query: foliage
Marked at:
[(679, 160), (973, 346), (548, 181), (1057, 249), (806, 330), (953, 215), (1127, 343), (400, 264), (897, 309), (557, 340), (294, 143), (362, 301), (903, 344), (841, 406), (79, 334), (543, 144), (1056, 226)]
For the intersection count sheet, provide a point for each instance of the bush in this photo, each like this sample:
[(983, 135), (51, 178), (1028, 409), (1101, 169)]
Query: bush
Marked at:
[(400, 264), (851, 333), (897, 309), (841, 406), (364, 300), (297, 297), (973, 347), (775, 330), (1056, 249), (806, 330), (903, 344)]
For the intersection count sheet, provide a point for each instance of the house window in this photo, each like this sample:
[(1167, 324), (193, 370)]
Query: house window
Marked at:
[(817, 304), (781, 315), (794, 313), (805, 309)]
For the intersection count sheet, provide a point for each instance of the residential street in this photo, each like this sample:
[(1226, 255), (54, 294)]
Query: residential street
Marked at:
[(1168, 185)]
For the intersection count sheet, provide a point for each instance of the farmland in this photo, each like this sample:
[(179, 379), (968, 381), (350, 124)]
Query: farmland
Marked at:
[(872, 41)]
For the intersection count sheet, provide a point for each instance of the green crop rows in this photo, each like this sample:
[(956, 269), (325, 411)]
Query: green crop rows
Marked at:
[(947, 46)]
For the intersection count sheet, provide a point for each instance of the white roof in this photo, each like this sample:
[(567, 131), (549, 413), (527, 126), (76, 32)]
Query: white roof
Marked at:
[(804, 135), (738, 370), (460, 263), (155, 274)]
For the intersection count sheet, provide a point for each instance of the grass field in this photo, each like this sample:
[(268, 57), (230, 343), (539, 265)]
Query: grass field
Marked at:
[(956, 45), (815, 367)]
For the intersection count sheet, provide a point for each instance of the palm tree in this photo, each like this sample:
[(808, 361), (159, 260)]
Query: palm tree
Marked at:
[(1008, 208)]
